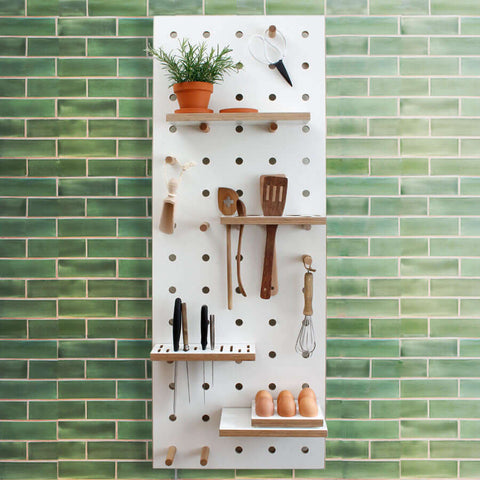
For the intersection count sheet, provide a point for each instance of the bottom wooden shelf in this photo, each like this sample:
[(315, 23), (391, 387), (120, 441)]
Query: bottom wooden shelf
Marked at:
[(236, 422)]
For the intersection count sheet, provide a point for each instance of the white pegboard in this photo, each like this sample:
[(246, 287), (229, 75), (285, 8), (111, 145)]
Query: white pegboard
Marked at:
[(291, 151)]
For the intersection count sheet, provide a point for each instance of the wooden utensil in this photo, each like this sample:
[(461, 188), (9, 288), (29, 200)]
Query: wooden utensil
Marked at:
[(273, 203), (227, 204), (274, 268), (242, 212), (167, 222)]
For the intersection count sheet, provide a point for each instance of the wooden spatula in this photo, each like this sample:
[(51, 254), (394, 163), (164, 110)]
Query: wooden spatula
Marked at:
[(273, 203)]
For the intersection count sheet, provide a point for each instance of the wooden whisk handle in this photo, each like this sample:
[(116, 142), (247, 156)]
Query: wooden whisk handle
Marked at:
[(308, 293)]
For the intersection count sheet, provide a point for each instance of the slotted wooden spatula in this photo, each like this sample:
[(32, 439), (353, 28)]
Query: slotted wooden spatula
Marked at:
[(273, 203)]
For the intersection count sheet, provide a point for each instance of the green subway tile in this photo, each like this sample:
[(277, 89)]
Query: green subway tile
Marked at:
[(347, 288), (470, 107), (399, 408), (56, 248), (230, 474), (135, 268), (428, 266), (13, 328), (135, 26), (86, 308), (135, 148), (13, 207), (398, 287), (86, 108), (116, 450), (454, 408), (361, 146), (12, 128), (285, 7), (454, 287), (116, 207), (134, 348), (27, 108), (362, 388), (461, 7), (448, 166), (347, 247), (86, 26), (427, 388), (56, 87), (120, 87), (87, 268), (28, 470), (470, 226), (85, 470), (469, 469), (86, 148), (429, 25), (363, 307), (362, 186), (56, 7), (27, 430), (28, 186), (86, 429), (86, 389), (361, 25), (12, 46), (30, 148), (117, 128), (347, 45), (86, 227), (429, 307), (428, 226), (470, 25), (454, 368), (469, 186), (135, 108), (347, 166), (134, 430), (27, 26), (428, 348), (339, 127), (428, 66), (134, 308), (86, 67), (27, 389), (362, 429), (41, 67), (348, 368), (14, 369), (64, 328), (398, 7), (117, 168), (12, 167), (400, 327), (135, 67), (392, 247), (454, 328), (362, 348), (12, 7), (56, 369), (117, 288), (346, 449), (455, 127), (56, 128), (428, 469), (55, 288), (469, 389), (56, 207), (135, 227), (398, 46), (132, 470), (116, 47), (122, 328), (347, 87), (465, 87), (117, 248), (400, 449), (455, 449), (398, 206), (27, 308), (429, 106), (86, 348), (469, 348), (28, 349), (27, 227), (117, 409), (347, 409), (11, 87), (13, 450), (469, 307), (67, 167), (27, 268), (398, 127), (469, 429), (353, 469), (364, 267), (105, 8), (399, 166), (86, 187), (387, 87), (347, 7), (454, 46), (470, 147), (56, 450), (135, 187), (56, 47), (361, 107), (347, 327), (135, 389)]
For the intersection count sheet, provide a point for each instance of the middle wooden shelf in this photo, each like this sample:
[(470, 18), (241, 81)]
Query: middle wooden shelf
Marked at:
[(274, 220), (223, 352)]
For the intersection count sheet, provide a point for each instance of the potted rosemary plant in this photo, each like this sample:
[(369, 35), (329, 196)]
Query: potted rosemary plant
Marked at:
[(193, 70)]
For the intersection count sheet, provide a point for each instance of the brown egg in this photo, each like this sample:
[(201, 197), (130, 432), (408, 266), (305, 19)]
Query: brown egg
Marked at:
[(285, 393), (308, 407), (263, 393), (264, 406), (286, 406), (307, 392)]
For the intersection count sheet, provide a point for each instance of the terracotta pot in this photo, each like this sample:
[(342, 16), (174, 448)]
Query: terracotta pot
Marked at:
[(193, 97)]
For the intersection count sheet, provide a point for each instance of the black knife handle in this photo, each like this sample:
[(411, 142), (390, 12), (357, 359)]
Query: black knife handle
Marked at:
[(177, 324), (204, 326)]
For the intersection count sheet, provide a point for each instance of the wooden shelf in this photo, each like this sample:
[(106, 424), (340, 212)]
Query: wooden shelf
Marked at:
[(236, 422), (224, 352), (286, 422), (261, 220), (258, 117)]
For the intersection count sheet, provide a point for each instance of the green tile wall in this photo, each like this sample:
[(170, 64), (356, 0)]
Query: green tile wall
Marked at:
[(403, 386)]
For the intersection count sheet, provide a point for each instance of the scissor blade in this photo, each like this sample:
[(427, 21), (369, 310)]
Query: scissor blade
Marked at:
[(283, 71)]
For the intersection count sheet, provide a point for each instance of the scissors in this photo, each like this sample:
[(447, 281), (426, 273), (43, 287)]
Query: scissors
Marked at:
[(272, 54)]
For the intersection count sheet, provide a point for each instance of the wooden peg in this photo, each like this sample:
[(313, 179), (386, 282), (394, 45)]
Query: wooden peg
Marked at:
[(307, 263), (170, 455), (204, 127), (307, 227), (272, 31), (204, 226), (204, 456), (273, 127), (170, 160)]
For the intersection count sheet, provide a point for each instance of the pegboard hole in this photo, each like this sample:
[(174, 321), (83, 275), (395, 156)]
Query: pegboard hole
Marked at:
[(239, 97), (272, 160), (172, 257), (241, 257), (272, 66), (205, 290), (237, 290), (170, 322), (206, 34), (272, 322), (172, 97), (272, 449), (305, 385), (239, 65), (206, 193), (172, 289), (306, 193), (305, 161), (239, 129), (305, 65), (305, 34), (305, 449), (205, 418), (172, 129), (239, 34), (205, 160), (240, 193), (305, 129), (238, 449), (305, 97), (272, 97), (272, 354), (272, 386), (171, 386), (172, 418), (205, 257), (238, 386), (205, 386), (238, 322), (173, 34), (239, 160)]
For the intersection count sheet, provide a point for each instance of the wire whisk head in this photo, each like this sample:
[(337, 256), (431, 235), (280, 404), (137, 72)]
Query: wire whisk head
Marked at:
[(306, 343)]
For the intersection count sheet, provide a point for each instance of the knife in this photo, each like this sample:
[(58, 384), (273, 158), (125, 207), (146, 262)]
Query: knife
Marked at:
[(186, 346), (176, 329), (204, 338)]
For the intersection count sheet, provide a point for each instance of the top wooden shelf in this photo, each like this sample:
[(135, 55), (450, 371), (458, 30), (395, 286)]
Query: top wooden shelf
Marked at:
[(259, 117)]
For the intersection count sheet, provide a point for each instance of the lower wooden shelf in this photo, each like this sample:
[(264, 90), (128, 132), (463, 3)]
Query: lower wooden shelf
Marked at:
[(284, 220), (236, 422), (223, 352)]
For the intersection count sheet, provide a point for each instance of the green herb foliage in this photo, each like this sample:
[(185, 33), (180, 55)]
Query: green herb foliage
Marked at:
[(194, 63)]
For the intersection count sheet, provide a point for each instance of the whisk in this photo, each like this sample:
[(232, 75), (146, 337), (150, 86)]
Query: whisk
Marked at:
[(306, 343)]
